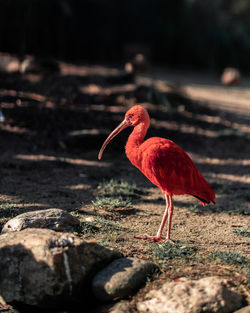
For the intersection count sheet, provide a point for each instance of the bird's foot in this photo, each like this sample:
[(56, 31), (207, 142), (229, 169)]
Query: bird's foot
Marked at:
[(151, 238), (155, 238)]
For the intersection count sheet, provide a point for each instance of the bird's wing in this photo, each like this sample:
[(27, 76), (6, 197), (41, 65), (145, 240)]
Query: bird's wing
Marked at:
[(171, 169)]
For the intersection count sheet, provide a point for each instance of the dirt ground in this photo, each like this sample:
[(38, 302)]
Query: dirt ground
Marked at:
[(55, 125)]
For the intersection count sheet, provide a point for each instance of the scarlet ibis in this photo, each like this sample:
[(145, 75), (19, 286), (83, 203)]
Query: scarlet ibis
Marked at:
[(164, 163)]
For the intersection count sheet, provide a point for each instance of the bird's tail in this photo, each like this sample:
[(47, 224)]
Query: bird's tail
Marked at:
[(204, 201), (205, 193)]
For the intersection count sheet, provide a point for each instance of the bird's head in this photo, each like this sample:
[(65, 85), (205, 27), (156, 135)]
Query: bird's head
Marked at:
[(134, 116)]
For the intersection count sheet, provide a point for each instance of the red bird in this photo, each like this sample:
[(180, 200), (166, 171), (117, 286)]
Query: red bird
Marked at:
[(164, 163)]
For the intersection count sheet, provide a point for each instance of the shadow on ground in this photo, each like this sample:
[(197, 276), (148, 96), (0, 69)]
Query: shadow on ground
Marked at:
[(54, 127)]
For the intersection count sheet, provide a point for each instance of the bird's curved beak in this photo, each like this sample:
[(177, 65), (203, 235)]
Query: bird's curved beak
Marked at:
[(124, 124)]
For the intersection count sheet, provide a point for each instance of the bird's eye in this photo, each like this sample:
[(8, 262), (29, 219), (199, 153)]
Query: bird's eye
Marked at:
[(130, 116)]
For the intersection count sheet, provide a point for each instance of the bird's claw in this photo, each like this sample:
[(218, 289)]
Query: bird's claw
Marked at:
[(155, 238), (151, 238)]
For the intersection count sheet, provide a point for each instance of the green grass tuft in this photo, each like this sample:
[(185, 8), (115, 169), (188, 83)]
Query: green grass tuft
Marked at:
[(166, 250), (247, 272), (242, 232), (111, 203), (8, 210), (242, 210), (197, 209), (87, 228), (116, 194), (229, 257)]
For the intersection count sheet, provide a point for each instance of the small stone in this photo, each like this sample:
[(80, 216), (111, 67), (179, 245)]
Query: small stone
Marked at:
[(207, 295), (9, 63), (230, 76), (121, 278), (245, 309), (55, 219), (137, 65)]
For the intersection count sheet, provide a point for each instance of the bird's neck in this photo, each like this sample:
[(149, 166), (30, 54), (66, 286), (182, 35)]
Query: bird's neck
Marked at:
[(135, 139)]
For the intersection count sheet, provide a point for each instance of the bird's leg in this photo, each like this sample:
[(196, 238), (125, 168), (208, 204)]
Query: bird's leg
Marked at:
[(171, 209), (158, 236), (165, 216)]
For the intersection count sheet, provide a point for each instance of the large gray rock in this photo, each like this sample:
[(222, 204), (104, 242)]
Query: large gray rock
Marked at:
[(121, 278), (46, 268), (55, 219), (207, 295)]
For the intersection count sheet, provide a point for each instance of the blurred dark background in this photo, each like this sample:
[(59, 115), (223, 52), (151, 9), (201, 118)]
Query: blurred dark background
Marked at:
[(204, 34)]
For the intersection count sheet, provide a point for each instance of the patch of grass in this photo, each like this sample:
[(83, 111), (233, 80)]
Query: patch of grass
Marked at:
[(121, 188), (111, 203), (195, 209), (87, 228), (242, 232), (229, 257), (104, 242), (248, 276), (106, 225), (166, 250), (96, 224), (243, 210), (8, 210), (116, 194)]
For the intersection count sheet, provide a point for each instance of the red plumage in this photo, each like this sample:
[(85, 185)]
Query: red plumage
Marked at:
[(164, 163), (167, 166)]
